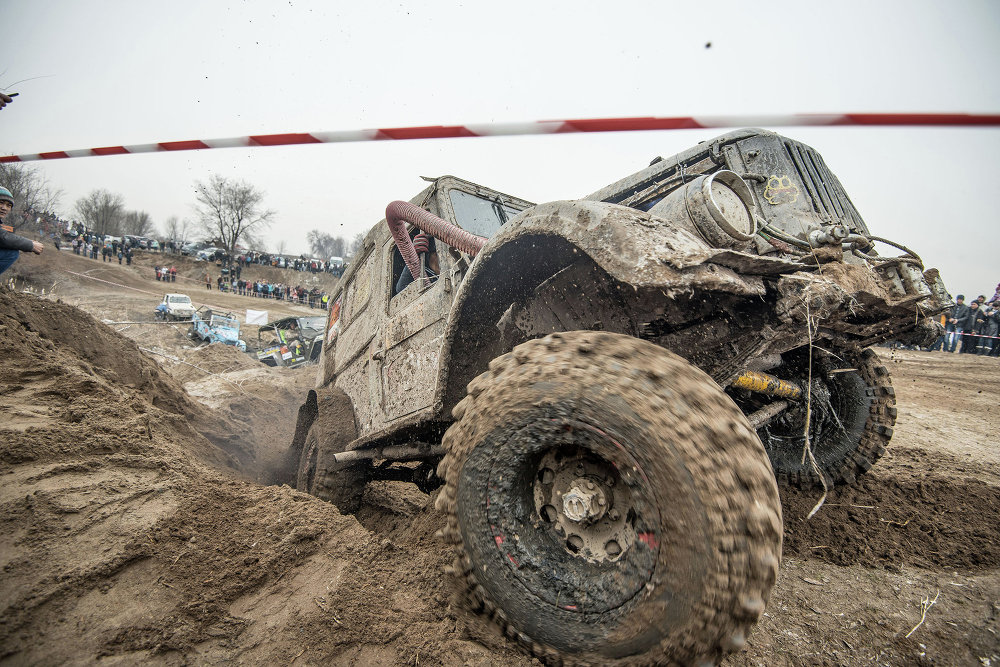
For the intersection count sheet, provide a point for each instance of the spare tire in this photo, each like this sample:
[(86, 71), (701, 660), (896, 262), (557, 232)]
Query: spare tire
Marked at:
[(609, 502)]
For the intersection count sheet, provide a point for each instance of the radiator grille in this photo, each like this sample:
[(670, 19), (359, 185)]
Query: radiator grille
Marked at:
[(828, 198)]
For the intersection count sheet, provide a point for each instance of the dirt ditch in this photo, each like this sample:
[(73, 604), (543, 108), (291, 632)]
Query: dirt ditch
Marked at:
[(135, 527)]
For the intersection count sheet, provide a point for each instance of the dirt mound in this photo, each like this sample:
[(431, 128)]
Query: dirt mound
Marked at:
[(36, 328), (885, 522), (215, 358), (74, 386), (123, 537)]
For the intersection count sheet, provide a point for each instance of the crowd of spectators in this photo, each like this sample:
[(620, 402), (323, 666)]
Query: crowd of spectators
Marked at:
[(110, 248), (295, 263), (972, 328), (262, 289)]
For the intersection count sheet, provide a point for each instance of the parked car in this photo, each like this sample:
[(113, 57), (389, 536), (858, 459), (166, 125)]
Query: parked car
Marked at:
[(217, 327), (193, 247), (210, 254), (290, 341), (175, 307)]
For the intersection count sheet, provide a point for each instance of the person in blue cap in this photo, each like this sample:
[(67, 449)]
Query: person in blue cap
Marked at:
[(11, 245)]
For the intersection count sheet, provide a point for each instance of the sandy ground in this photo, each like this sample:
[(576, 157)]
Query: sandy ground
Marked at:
[(138, 526)]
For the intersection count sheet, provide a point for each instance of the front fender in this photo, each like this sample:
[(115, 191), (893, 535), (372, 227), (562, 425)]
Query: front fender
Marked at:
[(632, 247)]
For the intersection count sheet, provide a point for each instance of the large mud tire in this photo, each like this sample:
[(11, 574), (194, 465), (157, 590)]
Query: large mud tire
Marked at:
[(846, 447), (703, 504), (318, 474)]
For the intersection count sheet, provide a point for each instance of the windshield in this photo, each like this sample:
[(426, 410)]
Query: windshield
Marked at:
[(480, 215), (312, 322), (179, 299), (224, 322)]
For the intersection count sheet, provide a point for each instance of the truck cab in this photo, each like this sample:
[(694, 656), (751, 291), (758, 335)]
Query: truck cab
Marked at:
[(177, 306), (383, 348)]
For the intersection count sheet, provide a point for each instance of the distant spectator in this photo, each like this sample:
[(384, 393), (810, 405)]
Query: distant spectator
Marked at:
[(953, 329), (12, 245), (968, 324), (173, 274), (987, 330)]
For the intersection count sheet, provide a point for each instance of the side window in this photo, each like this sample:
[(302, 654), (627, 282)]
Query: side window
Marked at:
[(480, 215), (400, 280)]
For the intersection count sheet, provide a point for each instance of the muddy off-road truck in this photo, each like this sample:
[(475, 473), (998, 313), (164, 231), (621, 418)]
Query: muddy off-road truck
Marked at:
[(611, 389)]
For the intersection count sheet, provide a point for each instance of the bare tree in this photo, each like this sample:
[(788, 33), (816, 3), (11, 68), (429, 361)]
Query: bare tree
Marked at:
[(171, 228), (31, 190), (356, 244), (317, 241), (176, 229), (337, 248), (137, 223), (101, 211), (231, 211), (280, 247), (325, 245)]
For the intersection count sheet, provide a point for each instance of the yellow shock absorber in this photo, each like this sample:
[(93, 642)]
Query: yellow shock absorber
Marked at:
[(763, 383)]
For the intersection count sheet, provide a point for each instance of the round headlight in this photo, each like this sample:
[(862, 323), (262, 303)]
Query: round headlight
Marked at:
[(719, 207), (730, 201)]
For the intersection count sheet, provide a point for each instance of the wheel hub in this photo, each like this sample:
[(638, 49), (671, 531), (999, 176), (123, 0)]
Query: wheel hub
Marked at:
[(583, 501)]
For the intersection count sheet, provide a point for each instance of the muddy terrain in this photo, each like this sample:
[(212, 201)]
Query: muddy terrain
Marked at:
[(140, 524)]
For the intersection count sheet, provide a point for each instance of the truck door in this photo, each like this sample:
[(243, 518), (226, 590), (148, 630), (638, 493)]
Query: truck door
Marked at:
[(413, 336)]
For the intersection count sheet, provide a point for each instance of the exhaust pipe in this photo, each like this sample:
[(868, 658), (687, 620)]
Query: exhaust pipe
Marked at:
[(398, 213)]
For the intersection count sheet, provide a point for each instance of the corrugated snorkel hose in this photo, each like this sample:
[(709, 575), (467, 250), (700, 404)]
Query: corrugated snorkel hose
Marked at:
[(398, 213)]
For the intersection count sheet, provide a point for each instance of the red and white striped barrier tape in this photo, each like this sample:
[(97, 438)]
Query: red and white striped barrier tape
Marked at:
[(975, 335), (533, 127)]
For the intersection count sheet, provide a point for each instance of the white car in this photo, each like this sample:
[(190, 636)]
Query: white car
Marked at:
[(209, 254), (176, 307)]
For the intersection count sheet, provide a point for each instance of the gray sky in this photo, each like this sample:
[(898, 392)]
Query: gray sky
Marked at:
[(137, 72)]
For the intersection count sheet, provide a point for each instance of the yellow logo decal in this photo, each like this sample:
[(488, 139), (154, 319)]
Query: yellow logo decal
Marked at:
[(780, 190)]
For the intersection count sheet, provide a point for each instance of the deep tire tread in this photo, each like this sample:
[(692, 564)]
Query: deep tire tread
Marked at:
[(746, 545)]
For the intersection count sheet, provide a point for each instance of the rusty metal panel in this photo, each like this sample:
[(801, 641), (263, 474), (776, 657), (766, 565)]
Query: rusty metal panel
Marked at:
[(353, 379), (358, 291), (409, 372)]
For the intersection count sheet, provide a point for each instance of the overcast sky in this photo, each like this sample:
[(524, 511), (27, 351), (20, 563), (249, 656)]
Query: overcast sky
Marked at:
[(128, 72)]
